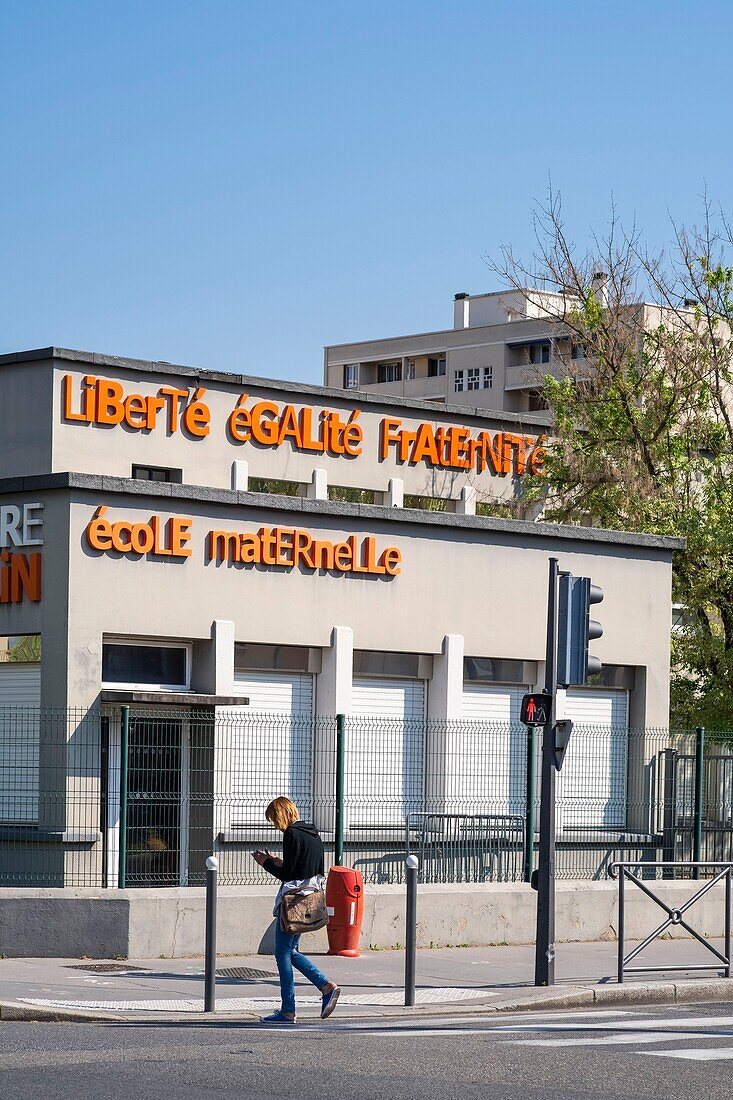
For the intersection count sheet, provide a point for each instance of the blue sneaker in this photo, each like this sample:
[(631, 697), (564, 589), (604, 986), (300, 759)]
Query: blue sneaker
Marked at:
[(276, 1018), (328, 1002)]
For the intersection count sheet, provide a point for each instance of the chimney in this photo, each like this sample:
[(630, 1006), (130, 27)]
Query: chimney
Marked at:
[(599, 286), (461, 310)]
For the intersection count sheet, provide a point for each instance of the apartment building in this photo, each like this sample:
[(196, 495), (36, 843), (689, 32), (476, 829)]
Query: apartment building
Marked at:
[(494, 357)]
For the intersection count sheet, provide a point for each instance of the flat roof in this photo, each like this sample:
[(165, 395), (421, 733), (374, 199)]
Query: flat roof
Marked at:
[(362, 397), (201, 494)]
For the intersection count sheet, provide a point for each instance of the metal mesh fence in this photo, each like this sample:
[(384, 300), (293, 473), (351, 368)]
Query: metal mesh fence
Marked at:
[(461, 795)]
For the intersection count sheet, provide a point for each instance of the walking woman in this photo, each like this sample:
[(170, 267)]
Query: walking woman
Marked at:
[(300, 871)]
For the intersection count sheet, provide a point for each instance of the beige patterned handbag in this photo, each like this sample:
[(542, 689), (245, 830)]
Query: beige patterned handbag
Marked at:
[(303, 912)]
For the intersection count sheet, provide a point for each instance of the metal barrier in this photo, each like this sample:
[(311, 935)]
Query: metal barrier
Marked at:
[(675, 916), (467, 847), (139, 796)]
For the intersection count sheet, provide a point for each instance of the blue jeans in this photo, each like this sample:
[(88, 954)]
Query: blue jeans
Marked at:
[(287, 956)]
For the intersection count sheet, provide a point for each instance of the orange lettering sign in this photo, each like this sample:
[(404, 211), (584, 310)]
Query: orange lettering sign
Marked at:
[(272, 425), (455, 448), (157, 537), (293, 548), (20, 576), (103, 401)]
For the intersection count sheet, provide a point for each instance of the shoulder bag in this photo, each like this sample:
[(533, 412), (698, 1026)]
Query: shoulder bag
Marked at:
[(303, 912)]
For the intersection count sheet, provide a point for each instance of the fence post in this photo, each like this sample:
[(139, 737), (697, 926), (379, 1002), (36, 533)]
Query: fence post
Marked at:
[(621, 923), (411, 930), (530, 805), (669, 818), (340, 767), (699, 778), (124, 753), (212, 868)]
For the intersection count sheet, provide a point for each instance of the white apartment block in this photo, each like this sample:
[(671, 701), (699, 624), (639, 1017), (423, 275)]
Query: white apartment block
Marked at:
[(494, 357)]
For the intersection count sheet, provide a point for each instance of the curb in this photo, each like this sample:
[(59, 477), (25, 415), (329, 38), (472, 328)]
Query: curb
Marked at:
[(637, 993)]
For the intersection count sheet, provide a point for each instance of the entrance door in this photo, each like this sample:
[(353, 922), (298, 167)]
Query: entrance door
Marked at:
[(154, 802)]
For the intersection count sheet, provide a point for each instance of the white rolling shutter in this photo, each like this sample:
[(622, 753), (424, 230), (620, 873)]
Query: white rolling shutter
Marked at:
[(592, 784), (20, 687), (276, 693), (265, 749), (486, 751), (386, 738), (391, 699)]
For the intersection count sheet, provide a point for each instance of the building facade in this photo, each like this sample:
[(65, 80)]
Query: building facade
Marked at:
[(494, 358), (187, 542)]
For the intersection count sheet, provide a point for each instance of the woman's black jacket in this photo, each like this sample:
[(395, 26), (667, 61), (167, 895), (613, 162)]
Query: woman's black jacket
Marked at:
[(302, 853)]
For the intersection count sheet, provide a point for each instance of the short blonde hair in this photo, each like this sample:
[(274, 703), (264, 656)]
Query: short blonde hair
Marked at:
[(282, 812)]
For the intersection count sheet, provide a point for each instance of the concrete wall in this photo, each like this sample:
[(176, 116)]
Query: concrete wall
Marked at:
[(26, 418), (112, 449), (149, 924), (451, 558)]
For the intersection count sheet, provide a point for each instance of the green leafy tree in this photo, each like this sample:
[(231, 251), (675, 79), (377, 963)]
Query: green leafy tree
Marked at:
[(643, 422)]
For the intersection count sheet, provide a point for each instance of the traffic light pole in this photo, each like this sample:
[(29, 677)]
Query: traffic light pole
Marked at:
[(544, 966)]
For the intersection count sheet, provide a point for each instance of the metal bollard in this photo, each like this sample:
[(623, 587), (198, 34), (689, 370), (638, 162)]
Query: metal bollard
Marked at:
[(212, 868), (411, 930)]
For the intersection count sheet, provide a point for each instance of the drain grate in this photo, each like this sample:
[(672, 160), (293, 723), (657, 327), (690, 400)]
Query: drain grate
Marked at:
[(104, 968), (244, 973)]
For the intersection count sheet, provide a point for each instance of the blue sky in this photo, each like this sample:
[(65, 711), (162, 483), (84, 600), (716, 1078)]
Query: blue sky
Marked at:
[(232, 184)]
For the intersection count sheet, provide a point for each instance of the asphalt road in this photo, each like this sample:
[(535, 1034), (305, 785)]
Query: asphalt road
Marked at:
[(662, 1053)]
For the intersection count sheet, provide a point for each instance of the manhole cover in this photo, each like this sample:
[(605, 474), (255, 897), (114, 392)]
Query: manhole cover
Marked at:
[(104, 968), (244, 973)]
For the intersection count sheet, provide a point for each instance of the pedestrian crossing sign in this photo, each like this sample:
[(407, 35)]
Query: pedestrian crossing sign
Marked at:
[(536, 709)]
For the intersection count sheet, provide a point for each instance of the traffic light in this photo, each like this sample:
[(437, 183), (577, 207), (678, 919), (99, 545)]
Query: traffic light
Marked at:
[(536, 709), (576, 629)]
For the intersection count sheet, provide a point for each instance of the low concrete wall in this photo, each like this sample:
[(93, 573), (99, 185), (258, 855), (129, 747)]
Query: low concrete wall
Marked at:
[(148, 924)]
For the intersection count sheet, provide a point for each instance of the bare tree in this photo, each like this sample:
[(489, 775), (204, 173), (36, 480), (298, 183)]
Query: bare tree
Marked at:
[(643, 422)]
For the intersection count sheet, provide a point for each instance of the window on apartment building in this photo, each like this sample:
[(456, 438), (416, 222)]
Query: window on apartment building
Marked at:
[(436, 366), (458, 381), (473, 378), (487, 377), (539, 353), (351, 376), (389, 372), (536, 401), (410, 369), (577, 351), (157, 473)]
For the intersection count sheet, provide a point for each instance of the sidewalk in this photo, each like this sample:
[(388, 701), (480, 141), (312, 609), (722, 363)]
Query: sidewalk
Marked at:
[(449, 981)]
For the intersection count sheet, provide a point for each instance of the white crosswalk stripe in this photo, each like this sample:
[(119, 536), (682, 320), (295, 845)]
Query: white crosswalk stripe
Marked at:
[(696, 1054), (636, 1033), (638, 1037)]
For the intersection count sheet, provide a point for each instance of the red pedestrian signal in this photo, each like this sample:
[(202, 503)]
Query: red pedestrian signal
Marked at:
[(536, 709)]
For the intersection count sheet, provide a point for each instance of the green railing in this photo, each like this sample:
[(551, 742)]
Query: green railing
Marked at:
[(134, 797)]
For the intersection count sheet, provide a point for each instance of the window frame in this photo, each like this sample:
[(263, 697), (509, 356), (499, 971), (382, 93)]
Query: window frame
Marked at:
[(172, 471), (351, 376), (149, 643), (458, 381)]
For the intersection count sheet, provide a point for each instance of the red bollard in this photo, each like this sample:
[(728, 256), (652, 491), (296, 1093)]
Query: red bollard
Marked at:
[(345, 901)]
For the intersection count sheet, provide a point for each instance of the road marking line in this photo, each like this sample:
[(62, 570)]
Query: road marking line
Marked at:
[(697, 1054), (638, 1037)]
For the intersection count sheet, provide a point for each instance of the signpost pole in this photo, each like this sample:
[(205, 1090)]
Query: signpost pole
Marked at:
[(544, 969), (529, 816)]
